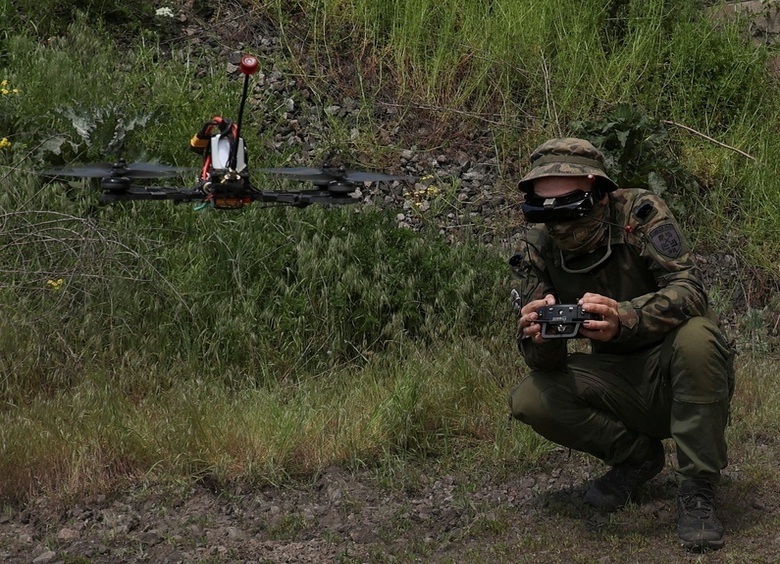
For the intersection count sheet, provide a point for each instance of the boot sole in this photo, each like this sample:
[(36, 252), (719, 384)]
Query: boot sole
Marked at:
[(703, 545)]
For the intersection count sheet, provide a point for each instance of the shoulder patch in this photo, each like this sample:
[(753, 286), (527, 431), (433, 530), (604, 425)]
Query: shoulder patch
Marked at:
[(667, 240)]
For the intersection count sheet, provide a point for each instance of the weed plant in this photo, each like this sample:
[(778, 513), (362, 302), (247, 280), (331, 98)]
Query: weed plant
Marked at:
[(48, 19), (145, 341), (271, 292)]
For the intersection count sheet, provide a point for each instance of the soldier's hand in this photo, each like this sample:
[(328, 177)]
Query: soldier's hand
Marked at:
[(606, 328), (527, 326)]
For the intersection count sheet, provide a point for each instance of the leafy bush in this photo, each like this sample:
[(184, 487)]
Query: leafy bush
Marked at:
[(266, 296), (639, 153), (45, 19)]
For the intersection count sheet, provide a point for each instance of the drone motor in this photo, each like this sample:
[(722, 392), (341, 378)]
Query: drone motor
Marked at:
[(341, 188), (115, 184)]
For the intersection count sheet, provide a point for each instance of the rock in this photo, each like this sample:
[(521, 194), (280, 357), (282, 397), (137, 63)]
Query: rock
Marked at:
[(67, 534)]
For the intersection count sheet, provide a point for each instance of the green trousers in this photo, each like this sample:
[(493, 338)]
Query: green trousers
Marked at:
[(615, 406)]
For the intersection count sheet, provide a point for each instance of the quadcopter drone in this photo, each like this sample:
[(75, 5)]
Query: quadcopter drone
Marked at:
[(224, 180)]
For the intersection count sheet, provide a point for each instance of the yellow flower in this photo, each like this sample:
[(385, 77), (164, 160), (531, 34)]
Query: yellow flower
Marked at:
[(56, 285), (5, 92), (4, 142), (4, 83)]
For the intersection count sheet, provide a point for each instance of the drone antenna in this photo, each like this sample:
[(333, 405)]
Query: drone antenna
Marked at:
[(248, 66)]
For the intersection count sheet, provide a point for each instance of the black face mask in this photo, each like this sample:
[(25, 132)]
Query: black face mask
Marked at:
[(567, 207)]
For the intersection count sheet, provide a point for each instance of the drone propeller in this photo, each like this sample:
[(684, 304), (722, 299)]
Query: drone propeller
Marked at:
[(223, 196), (119, 169), (326, 175)]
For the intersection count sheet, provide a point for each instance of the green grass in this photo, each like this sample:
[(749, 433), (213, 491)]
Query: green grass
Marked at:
[(533, 68), (147, 342), (94, 435)]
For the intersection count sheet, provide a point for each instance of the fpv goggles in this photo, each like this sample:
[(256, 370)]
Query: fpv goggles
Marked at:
[(567, 207)]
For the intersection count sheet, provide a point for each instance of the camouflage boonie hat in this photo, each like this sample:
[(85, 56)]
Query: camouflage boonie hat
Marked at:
[(566, 157)]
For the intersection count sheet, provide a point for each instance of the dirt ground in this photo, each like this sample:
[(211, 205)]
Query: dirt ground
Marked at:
[(531, 514)]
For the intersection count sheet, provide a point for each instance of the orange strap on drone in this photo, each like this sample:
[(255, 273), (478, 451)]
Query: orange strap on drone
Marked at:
[(200, 141)]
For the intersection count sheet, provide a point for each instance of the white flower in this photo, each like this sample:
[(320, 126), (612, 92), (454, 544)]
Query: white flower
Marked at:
[(164, 12)]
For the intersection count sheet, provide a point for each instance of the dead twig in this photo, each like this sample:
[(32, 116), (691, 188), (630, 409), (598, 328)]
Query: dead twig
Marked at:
[(710, 139), (552, 111)]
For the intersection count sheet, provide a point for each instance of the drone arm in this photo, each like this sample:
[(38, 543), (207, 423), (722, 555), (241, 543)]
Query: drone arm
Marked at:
[(302, 198), (177, 195), (229, 194)]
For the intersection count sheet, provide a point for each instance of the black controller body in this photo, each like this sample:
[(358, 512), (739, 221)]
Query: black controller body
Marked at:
[(562, 321)]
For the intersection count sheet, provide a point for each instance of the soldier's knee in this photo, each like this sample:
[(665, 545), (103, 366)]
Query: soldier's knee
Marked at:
[(700, 364), (528, 401), (697, 340), (523, 400), (539, 400)]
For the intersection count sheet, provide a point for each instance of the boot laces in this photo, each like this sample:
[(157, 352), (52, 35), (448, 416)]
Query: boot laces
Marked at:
[(697, 504)]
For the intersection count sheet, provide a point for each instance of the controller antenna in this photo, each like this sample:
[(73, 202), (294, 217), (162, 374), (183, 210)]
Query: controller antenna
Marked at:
[(248, 66)]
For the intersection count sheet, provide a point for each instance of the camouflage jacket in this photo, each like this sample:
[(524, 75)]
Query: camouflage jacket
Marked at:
[(650, 272)]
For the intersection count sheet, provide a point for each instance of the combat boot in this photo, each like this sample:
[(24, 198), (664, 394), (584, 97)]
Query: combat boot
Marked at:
[(697, 524), (613, 490)]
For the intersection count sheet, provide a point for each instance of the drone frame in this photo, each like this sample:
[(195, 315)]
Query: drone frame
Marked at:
[(224, 181)]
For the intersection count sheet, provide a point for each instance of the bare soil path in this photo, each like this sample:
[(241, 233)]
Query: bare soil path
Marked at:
[(505, 514)]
